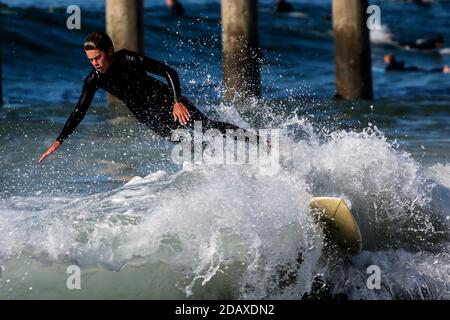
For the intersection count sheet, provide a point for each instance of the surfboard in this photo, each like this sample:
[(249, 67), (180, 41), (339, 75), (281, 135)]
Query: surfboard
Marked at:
[(444, 51), (294, 14), (378, 70), (337, 220)]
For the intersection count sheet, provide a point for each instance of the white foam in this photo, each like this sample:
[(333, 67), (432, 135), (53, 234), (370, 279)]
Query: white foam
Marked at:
[(444, 51), (382, 36), (441, 173), (233, 228)]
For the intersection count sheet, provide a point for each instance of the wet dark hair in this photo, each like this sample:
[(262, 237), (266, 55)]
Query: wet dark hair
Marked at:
[(98, 40)]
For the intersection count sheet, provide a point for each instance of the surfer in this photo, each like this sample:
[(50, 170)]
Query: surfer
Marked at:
[(283, 6), (124, 74), (435, 43), (392, 64), (423, 2), (175, 7)]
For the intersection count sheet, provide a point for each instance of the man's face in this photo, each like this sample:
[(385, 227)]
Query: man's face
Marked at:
[(100, 59)]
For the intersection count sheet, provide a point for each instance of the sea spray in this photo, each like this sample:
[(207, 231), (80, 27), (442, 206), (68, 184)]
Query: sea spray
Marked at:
[(222, 231)]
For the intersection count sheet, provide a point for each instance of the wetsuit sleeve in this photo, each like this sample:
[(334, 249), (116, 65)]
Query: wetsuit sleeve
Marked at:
[(160, 69), (87, 94), (417, 69), (412, 68), (439, 70)]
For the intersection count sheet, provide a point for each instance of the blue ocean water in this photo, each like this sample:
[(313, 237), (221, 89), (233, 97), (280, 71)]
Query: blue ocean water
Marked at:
[(222, 232)]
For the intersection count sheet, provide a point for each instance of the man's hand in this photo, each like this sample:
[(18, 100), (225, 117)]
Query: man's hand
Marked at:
[(50, 150), (181, 113)]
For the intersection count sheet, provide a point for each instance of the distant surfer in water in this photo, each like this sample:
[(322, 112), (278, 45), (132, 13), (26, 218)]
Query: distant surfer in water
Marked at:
[(392, 64), (175, 7), (283, 6), (433, 44), (124, 74)]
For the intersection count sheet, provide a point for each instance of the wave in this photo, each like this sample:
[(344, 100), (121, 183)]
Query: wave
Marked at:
[(215, 231)]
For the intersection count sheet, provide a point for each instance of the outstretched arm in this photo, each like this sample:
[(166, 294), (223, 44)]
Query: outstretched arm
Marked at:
[(87, 94)]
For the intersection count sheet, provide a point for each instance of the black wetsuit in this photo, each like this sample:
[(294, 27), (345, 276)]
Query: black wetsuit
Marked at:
[(400, 66), (148, 99), (177, 9), (420, 44), (283, 6)]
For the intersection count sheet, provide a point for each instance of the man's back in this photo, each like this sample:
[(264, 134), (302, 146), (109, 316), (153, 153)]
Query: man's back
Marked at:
[(128, 80)]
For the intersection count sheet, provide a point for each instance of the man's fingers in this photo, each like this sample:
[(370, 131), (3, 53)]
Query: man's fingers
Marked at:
[(186, 111), (182, 120), (42, 157), (46, 154), (187, 116), (185, 119), (181, 114), (179, 117), (50, 150)]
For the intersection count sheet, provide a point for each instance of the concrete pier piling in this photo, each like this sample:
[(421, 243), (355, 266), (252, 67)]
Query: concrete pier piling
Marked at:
[(124, 24), (352, 50), (240, 42)]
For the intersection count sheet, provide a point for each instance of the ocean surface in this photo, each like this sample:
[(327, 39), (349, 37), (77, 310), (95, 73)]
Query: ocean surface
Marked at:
[(112, 202)]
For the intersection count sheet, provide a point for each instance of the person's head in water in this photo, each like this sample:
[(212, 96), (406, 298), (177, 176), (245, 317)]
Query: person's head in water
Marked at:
[(389, 58), (99, 50)]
